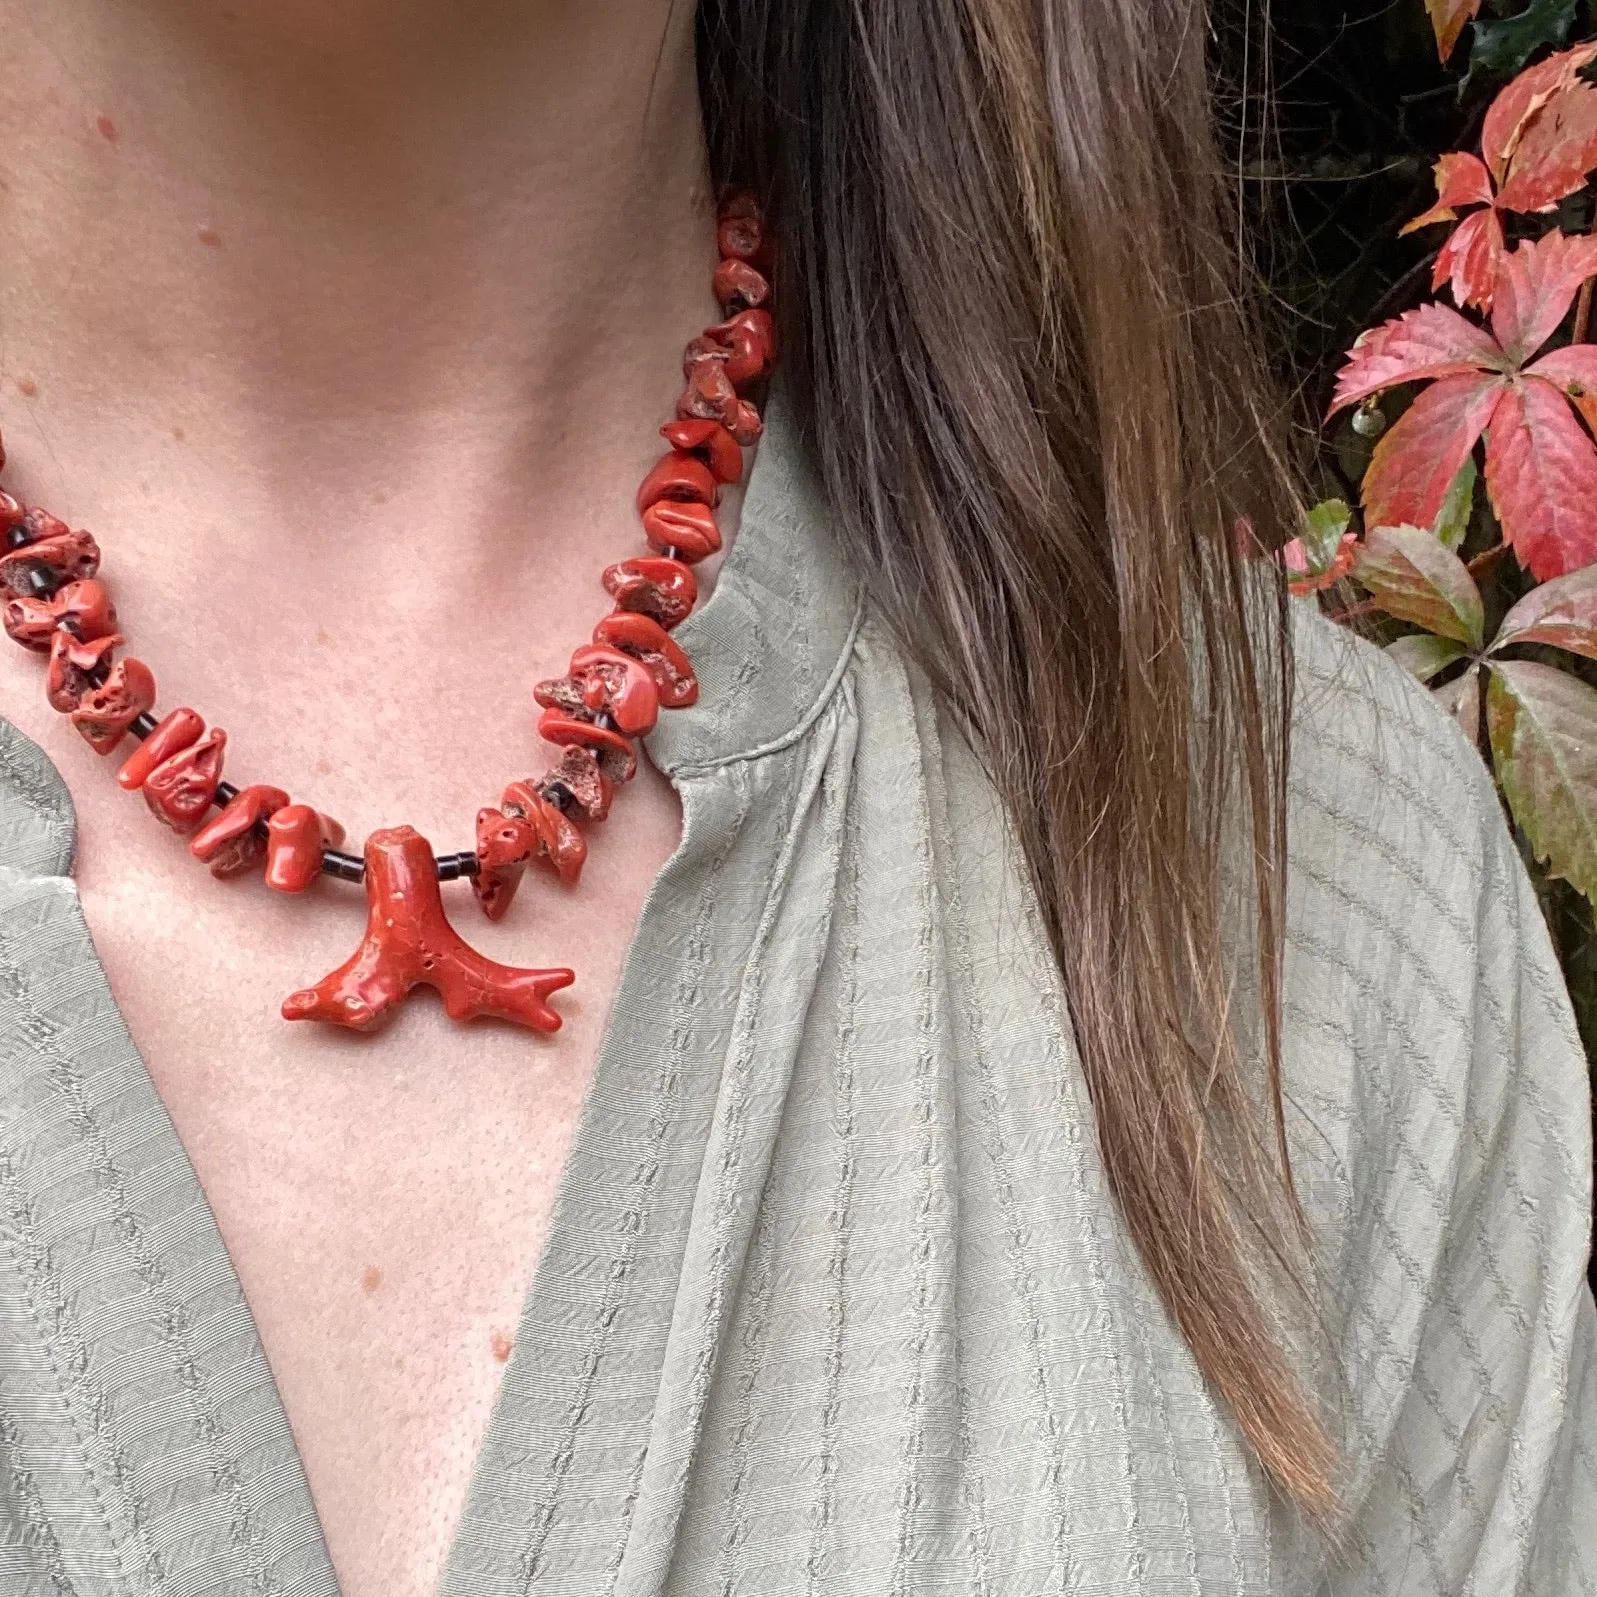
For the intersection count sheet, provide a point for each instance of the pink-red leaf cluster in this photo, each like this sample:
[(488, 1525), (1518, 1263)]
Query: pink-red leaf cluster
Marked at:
[(1541, 466), (1538, 143)]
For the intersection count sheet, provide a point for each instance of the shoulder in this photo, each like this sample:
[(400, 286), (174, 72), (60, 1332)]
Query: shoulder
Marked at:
[(37, 824), (1376, 761)]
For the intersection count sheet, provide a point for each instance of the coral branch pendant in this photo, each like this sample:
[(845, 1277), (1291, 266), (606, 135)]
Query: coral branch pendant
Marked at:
[(409, 943)]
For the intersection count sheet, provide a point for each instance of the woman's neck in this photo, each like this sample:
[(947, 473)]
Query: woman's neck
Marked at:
[(350, 252)]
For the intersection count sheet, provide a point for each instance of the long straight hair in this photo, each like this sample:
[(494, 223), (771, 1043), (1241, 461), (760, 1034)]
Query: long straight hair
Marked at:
[(1014, 331)]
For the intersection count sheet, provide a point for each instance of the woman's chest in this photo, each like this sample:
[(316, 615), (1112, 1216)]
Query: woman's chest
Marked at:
[(384, 1199)]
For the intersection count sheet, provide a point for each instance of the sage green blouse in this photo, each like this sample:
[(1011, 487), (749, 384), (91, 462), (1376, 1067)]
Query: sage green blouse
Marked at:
[(837, 1300)]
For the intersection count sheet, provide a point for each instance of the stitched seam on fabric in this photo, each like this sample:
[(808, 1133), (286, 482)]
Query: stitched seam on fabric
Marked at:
[(1399, 861), (129, 1227), (978, 1533), (841, 1214), (925, 1097), (1002, 1179), (752, 1363), (635, 1218), (21, 1482), (82, 1402), (1409, 1372), (806, 721), (47, 798), (735, 1083), (1361, 911)]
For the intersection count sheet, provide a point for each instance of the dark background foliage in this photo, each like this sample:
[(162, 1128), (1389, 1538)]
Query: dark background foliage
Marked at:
[(1335, 112)]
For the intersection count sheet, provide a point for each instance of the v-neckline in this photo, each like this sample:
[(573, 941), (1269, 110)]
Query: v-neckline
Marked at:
[(777, 578)]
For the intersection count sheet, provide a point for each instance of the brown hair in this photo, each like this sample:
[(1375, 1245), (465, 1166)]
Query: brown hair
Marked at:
[(1016, 340)]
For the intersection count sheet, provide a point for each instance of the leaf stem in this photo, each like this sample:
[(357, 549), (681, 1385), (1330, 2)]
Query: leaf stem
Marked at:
[(1486, 559)]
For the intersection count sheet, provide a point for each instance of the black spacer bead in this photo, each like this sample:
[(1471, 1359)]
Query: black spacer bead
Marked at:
[(144, 725), (451, 867), (346, 867), (36, 581), (18, 537), (225, 794)]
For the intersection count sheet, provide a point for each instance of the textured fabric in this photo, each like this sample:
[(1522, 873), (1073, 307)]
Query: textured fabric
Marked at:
[(836, 1299)]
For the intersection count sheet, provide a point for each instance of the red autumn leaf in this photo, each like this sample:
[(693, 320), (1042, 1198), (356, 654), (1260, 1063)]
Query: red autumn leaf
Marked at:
[(1416, 461), (1432, 341), (1574, 369), (1562, 612), (1557, 150), (1541, 471), (1539, 142), (1461, 179), (1471, 260), (1541, 467), (1535, 289), (1447, 19), (1512, 111)]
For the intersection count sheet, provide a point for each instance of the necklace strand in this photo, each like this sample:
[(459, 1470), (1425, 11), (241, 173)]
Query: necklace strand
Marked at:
[(613, 690)]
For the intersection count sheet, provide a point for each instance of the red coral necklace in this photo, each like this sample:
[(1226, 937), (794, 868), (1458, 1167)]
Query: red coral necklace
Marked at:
[(612, 693)]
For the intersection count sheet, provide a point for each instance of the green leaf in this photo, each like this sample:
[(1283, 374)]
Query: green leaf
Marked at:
[(1452, 521), (1562, 612), (1502, 47), (1543, 727), (1424, 654), (1411, 576), (1322, 533)]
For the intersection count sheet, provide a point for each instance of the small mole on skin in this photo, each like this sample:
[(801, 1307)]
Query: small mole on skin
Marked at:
[(27, 386), (108, 128), (179, 434), (208, 235), (324, 767), (370, 1278), (501, 1345)]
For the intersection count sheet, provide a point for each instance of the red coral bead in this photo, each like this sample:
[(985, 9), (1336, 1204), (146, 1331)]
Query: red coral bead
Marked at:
[(104, 714), (175, 731), (740, 238), (661, 588), (644, 638), (678, 476), (578, 780), (560, 844), (688, 532), (295, 838), (181, 788), (63, 556), (612, 750), (738, 287), (504, 845), (232, 842), (616, 685), (83, 608), (745, 425), (749, 339), (709, 439), (74, 666), (709, 395)]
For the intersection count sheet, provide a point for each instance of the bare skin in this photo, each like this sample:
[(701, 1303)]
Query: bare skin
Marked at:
[(348, 329)]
